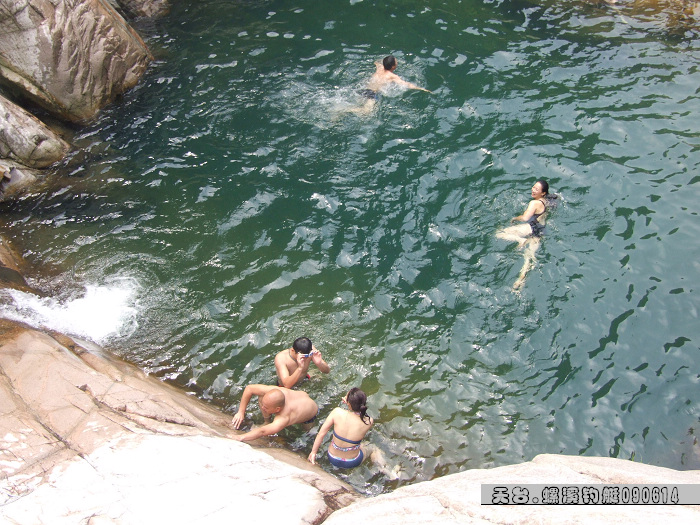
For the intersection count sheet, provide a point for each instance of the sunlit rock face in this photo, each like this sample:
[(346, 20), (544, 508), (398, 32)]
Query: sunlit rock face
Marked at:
[(71, 57), (456, 499)]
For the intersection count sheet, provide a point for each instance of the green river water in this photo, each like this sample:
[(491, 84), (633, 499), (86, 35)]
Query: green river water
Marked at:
[(227, 205)]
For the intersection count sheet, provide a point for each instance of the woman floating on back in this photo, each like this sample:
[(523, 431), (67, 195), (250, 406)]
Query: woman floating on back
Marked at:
[(528, 234), (349, 428)]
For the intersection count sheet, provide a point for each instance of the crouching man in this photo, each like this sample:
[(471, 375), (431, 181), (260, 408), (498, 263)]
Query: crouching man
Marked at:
[(287, 407)]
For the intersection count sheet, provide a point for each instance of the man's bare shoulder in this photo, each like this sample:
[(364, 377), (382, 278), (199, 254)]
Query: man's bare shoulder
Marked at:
[(283, 357), (390, 76)]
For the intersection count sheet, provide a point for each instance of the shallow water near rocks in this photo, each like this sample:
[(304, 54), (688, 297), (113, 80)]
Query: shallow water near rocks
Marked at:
[(228, 205)]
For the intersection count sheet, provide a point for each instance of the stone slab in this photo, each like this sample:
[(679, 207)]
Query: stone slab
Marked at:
[(456, 499)]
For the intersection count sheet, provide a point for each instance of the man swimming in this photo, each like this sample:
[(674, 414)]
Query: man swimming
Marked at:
[(382, 78), (288, 407)]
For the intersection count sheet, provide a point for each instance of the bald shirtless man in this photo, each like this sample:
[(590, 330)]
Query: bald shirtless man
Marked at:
[(289, 407), (292, 364)]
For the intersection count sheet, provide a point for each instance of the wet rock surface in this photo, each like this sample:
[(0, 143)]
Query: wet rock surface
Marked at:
[(25, 139)]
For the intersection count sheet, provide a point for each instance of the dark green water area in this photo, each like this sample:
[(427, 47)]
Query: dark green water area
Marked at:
[(230, 203)]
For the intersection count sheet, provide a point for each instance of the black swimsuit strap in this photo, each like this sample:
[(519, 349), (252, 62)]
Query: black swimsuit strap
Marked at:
[(536, 215)]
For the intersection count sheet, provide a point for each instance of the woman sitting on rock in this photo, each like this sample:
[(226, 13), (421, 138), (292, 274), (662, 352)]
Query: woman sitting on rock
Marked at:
[(349, 428)]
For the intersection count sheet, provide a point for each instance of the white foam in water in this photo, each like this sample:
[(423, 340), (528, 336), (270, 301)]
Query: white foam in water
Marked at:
[(101, 313)]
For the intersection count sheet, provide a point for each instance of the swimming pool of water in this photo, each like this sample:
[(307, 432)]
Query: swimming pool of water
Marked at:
[(229, 204)]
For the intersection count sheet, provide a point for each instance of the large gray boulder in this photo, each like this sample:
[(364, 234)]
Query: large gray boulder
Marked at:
[(15, 180), (27, 140), (72, 57)]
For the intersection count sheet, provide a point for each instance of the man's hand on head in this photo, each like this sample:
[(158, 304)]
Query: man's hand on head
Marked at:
[(316, 356)]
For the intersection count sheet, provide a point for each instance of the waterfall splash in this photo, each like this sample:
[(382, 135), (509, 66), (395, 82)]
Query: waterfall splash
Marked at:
[(97, 312)]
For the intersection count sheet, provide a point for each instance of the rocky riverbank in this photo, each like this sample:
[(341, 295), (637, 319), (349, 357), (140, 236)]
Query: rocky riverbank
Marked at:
[(64, 60), (90, 439)]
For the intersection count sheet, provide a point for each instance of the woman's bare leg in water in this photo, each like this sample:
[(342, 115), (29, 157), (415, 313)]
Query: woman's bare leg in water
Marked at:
[(519, 233), (531, 246)]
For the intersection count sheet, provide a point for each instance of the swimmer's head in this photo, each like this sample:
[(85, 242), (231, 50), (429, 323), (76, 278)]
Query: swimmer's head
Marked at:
[(544, 186), (357, 401), (302, 345), (273, 401), (389, 62)]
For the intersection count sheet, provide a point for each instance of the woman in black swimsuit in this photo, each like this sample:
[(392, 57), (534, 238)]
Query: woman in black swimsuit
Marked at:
[(528, 234)]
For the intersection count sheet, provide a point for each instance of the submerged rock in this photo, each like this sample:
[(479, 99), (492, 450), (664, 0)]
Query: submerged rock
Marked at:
[(71, 57), (10, 271), (146, 8)]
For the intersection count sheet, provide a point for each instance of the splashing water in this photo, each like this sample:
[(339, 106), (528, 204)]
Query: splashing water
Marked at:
[(100, 313)]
